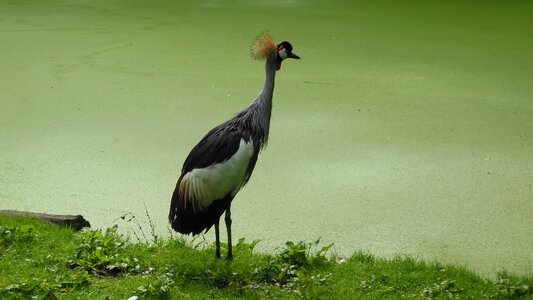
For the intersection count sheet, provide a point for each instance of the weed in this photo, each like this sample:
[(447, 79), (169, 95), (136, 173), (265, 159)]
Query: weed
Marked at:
[(294, 269), (16, 234), (241, 247), (444, 289), (158, 288), (45, 287), (511, 287), (304, 254), (103, 253), (130, 217)]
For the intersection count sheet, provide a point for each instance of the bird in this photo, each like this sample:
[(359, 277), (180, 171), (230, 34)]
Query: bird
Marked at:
[(224, 159)]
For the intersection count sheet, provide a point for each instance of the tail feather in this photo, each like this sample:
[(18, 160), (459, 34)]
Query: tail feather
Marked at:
[(185, 220)]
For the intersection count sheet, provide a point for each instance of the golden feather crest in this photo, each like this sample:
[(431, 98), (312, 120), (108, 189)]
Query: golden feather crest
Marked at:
[(263, 46)]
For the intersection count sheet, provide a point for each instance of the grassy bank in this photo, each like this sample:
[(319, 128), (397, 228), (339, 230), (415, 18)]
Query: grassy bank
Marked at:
[(48, 262)]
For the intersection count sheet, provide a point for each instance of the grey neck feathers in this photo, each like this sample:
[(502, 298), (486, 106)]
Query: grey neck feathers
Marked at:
[(257, 115)]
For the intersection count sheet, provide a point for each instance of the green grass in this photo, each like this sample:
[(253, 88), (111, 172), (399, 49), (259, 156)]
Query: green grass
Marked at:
[(43, 261)]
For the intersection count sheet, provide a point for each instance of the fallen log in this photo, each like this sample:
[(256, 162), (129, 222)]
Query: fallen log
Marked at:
[(76, 222)]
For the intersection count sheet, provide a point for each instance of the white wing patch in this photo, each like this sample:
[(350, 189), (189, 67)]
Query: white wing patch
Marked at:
[(200, 187)]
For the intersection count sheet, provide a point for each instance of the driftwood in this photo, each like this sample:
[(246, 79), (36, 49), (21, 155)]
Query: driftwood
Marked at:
[(77, 222)]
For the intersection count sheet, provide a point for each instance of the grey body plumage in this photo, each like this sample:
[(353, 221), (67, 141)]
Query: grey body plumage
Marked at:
[(211, 174)]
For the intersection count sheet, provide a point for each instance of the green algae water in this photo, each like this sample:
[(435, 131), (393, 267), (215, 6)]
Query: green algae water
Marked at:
[(405, 128)]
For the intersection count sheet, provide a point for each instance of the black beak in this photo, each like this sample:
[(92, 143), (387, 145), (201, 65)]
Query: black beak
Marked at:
[(292, 55)]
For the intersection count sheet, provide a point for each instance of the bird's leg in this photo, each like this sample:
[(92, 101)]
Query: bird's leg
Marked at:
[(227, 218), (217, 242)]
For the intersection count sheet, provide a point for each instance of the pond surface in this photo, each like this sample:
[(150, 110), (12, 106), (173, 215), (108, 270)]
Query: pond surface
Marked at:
[(405, 128)]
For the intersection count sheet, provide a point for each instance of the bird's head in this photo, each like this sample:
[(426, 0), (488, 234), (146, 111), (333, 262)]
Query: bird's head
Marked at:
[(264, 47), (284, 51)]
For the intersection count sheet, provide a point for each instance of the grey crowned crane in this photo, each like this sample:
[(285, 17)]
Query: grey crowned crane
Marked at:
[(224, 159)]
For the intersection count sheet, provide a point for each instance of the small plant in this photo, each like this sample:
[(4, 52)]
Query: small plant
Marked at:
[(103, 253), (12, 234), (26, 288), (300, 254), (44, 288), (295, 254), (292, 269), (444, 289), (242, 246), (510, 287), (129, 217), (158, 288)]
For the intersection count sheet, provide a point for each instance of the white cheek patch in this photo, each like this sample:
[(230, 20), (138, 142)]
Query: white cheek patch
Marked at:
[(283, 54)]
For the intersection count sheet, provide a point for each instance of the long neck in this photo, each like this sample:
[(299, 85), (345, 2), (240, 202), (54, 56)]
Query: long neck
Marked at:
[(259, 112), (268, 88)]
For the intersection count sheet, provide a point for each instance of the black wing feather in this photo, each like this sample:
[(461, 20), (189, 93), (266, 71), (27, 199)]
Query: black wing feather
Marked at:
[(218, 145)]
